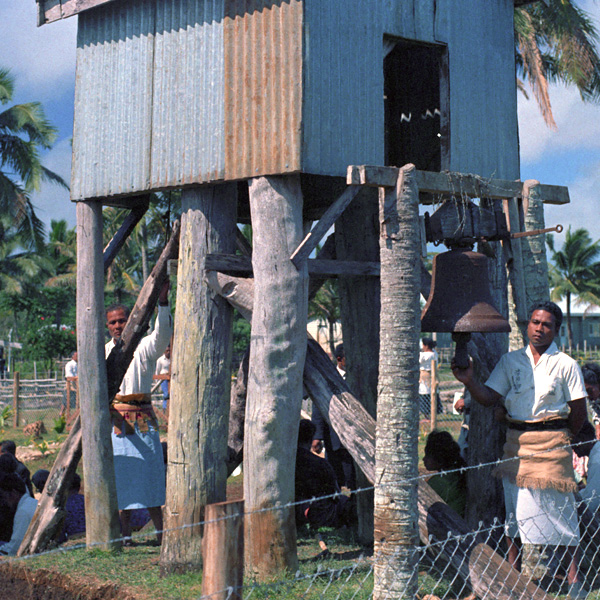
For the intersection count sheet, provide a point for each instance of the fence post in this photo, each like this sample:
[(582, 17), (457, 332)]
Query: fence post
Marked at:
[(68, 408), (223, 551), (16, 385), (433, 395)]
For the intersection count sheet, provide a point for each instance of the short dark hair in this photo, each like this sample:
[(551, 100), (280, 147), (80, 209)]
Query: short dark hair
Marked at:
[(589, 376), (8, 446), (594, 367), (551, 308), (427, 341), (339, 351), (39, 479), (114, 307), (444, 449), (8, 463), (306, 431)]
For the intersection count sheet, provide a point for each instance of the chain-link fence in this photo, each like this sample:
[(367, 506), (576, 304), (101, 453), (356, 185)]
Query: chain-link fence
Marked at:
[(548, 547)]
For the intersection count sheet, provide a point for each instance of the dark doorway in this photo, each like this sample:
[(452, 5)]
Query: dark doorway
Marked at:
[(416, 106)]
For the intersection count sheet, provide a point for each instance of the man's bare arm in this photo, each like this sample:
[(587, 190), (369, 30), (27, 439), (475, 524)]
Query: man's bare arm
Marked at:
[(577, 415), (481, 393)]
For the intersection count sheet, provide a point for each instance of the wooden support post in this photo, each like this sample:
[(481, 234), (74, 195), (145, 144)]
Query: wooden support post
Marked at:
[(433, 395), (277, 353), (16, 389), (223, 551), (201, 378), (102, 519), (356, 429), (396, 457)]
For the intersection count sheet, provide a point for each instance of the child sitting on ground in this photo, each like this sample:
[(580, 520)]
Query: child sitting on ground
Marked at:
[(442, 454)]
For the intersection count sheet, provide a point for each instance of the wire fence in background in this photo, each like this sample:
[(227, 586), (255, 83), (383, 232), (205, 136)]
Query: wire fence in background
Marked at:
[(450, 561)]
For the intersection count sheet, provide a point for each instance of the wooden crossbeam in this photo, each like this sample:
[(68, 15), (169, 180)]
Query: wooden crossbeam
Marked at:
[(119, 239), (322, 227), (242, 265), (449, 183)]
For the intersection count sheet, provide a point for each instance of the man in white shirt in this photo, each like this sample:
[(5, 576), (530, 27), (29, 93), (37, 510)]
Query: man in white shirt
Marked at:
[(71, 368), (137, 451), (543, 394), (14, 500)]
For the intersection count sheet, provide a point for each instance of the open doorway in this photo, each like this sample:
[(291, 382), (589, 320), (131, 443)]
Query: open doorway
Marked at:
[(416, 105)]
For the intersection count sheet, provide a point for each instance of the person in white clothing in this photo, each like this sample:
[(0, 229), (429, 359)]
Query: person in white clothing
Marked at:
[(137, 451), (71, 368), (14, 500), (543, 394)]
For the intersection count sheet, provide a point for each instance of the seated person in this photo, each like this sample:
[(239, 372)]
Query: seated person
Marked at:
[(442, 454), (39, 479), (75, 508), (315, 478), (9, 447), (8, 464), (14, 500)]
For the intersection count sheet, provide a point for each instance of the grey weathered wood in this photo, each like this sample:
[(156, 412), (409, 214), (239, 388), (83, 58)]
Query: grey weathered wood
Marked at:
[(430, 182), (54, 10), (356, 429), (310, 242), (231, 263), (16, 390), (277, 352), (50, 513), (223, 551), (396, 455), (357, 238), (237, 416), (124, 231), (102, 522), (200, 378)]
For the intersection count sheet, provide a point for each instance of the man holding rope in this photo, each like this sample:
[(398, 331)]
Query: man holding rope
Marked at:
[(137, 451), (543, 394)]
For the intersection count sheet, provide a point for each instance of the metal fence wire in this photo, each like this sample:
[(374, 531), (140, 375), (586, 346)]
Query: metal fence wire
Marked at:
[(449, 561)]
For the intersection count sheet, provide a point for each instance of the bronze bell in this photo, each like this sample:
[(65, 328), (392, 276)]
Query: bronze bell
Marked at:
[(460, 301)]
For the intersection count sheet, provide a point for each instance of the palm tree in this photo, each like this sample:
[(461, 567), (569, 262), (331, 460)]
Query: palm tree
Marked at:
[(575, 271), (24, 131), (555, 42)]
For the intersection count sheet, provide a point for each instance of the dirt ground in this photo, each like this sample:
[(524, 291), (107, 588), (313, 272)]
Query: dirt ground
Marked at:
[(22, 584)]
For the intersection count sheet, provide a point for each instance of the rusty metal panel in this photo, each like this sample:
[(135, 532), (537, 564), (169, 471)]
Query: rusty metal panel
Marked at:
[(263, 86), (343, 120), (113, 98), (188, 104)]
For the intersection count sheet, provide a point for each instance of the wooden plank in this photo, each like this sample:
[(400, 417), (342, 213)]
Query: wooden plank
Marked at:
[(119, 239), (313, 238), (54, 10), (223, 551), (324, 268), (430, 182)]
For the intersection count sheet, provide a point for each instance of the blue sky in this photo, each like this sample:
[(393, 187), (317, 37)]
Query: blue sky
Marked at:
[(43, 61)]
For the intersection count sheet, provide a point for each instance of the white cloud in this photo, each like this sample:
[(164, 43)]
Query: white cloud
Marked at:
[(41, 58)]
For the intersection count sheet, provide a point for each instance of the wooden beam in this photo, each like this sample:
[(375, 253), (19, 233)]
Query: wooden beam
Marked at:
[(54, 10), (450, 183), (324, 268), (309, 243), (119, 239)]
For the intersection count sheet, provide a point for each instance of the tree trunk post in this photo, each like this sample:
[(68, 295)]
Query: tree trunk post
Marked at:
[(223, 551), (201, 378), (16, 390), (357, 238), (396, 458), (101, 515), (277, 353)]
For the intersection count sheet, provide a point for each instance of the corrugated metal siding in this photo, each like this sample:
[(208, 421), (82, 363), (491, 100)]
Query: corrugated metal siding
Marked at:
[(188, 108), (411, 19), (263, 86), (483, 97), (113, 92), (343, 100)]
